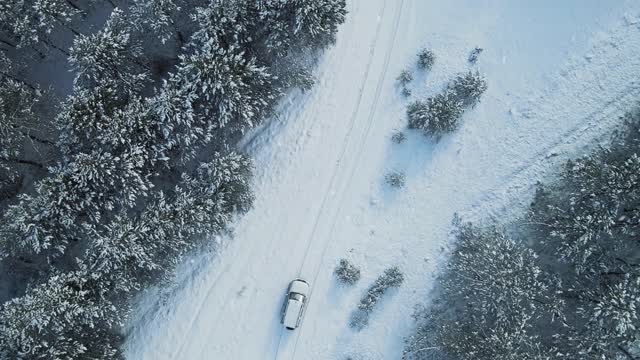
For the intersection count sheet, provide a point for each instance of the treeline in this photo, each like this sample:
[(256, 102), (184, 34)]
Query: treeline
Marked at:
[(561, 283), (144, 168)]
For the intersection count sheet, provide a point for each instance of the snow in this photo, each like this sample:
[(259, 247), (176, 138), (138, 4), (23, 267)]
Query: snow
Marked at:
[(559, 75)]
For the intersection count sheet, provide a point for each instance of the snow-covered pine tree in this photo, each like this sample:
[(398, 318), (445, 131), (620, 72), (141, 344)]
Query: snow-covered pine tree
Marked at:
[(132, 252), (181, 126), (89, 186), (27, 23), (405, 77), (106, 119), (589, 224), (39, 223), (66, 317), (347, 273), (437, 115), (426, 59), (495, 293), (231, 85), (17, 118), (469, 87), (109, 54), (158, 17), (293, 23)]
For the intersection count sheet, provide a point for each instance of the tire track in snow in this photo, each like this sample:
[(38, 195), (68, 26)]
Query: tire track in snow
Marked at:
[(246, 146), (334, 177), (595, 124), (352, 121), (360, 150)]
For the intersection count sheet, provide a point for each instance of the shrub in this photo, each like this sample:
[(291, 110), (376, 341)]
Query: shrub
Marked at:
[(347, 273), (405, 77), (406, 92), (469, 87), (473, 56), (392, 277), (426, 58), (395, 179), (398, 137)]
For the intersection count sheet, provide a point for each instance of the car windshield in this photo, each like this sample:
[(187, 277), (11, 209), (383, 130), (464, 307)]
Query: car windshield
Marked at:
[(296, 296)]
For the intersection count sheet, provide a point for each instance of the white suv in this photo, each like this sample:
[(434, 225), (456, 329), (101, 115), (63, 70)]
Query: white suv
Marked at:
[(294, 303)]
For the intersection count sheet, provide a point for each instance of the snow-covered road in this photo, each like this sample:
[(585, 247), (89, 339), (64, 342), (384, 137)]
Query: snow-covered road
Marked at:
[(559, 74)]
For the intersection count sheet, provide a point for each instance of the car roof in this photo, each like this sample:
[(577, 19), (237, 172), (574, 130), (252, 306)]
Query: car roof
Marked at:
[(293, 311)]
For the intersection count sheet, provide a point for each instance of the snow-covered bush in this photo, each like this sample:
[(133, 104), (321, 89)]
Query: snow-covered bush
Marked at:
[(398, 137), (395, 179), (391, 278), (437, 115), (404, 78), (426, 59), (347, 273), (473, 56)]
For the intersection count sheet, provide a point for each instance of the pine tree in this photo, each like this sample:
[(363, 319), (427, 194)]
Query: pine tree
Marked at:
[(109, 54), (298, 22), (17, 117), (181, 126), (347, 273), (588, 222), (67, 317), (133, 252), (495, 294), (38, 223), (157, 16), (440, 114), (404, 78), (230, 84), (106, 119), (426, 59), (31, 22), (436, 115), (469, 87)]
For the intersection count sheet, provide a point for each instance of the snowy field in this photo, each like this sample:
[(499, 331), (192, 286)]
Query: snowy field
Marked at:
[(559, 75)]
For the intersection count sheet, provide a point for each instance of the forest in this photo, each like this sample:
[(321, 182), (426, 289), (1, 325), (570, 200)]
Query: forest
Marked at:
[(110, 178), (562, 281)]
